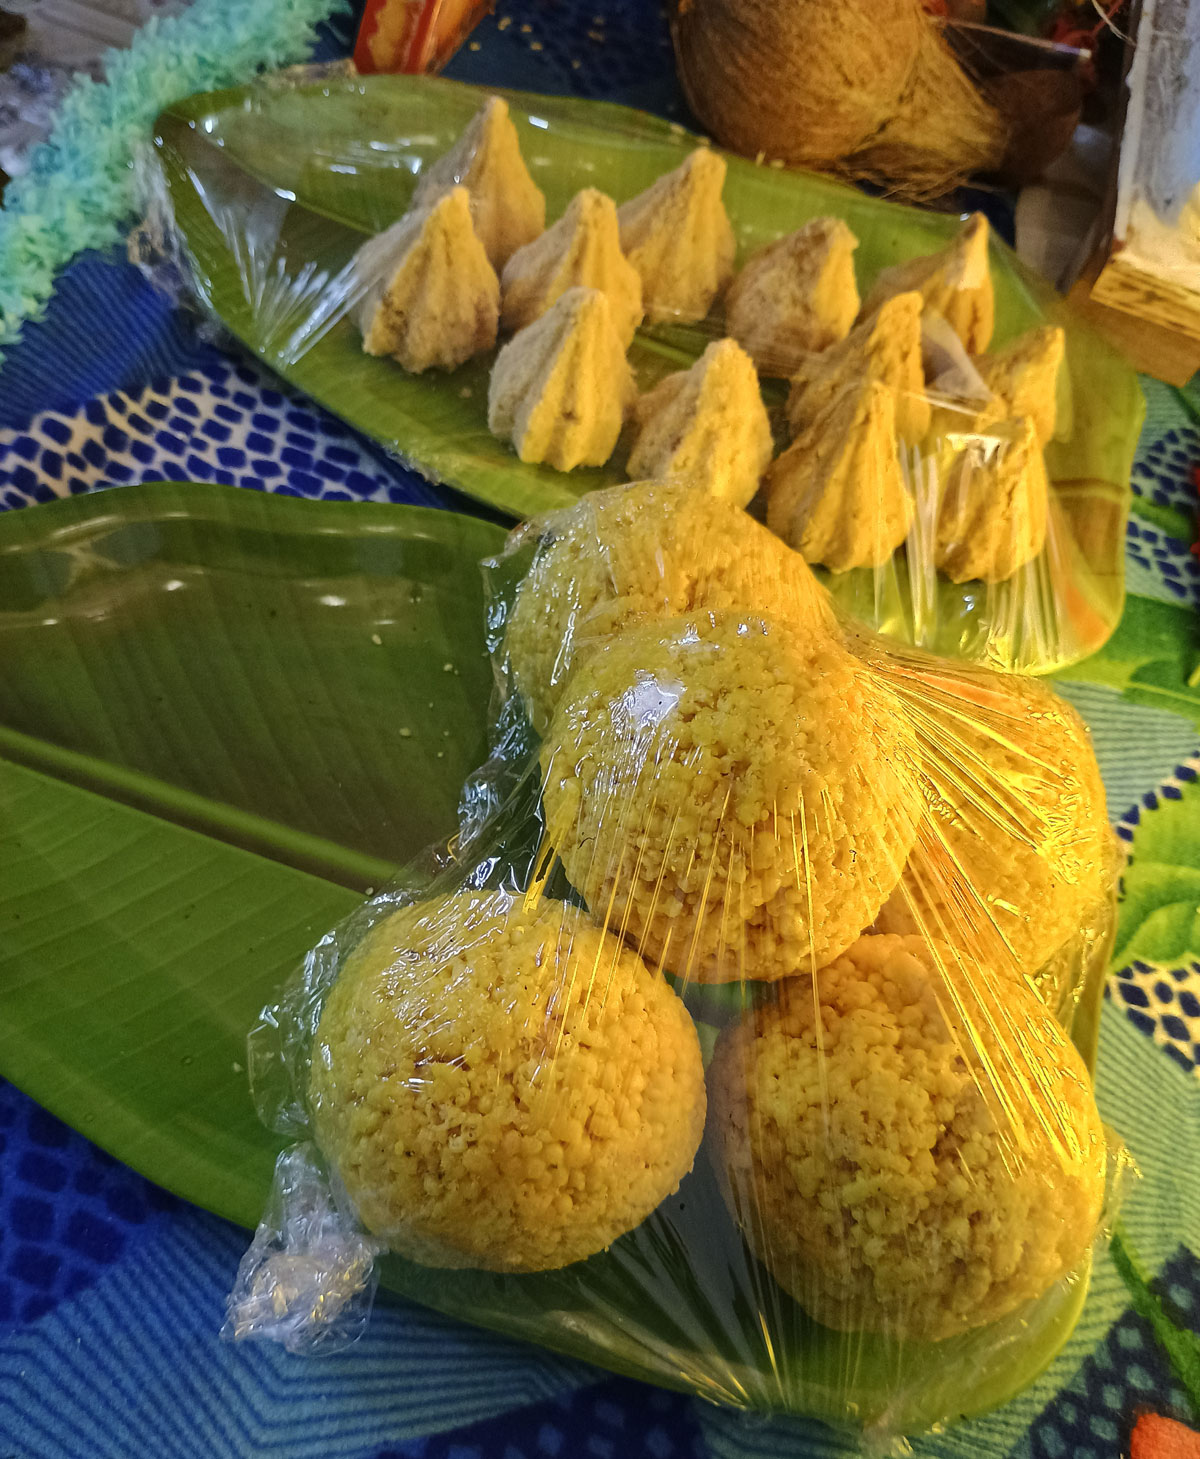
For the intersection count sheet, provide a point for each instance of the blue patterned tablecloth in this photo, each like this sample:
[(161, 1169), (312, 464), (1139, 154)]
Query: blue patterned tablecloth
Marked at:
[(111, 1292)]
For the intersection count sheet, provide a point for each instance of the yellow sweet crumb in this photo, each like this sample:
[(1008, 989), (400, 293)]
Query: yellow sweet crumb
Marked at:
[(1016, 846), (502, 1087), (875, 1169), (738, 797), (647, 551)]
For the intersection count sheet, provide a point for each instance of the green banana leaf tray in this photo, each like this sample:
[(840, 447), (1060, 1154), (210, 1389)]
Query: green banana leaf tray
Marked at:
[(224, 717), (271, 188)]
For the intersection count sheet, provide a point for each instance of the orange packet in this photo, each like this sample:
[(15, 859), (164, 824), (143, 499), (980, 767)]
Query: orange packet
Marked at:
[(414, 35)]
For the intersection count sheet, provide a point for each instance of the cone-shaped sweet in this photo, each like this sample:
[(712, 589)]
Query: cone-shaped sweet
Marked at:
[(679, 238), (995, 501), (885, 347), (706, 426), (794, 296), (1024, 374), (582, 250), (432, 296), (560, 389), (956, 283), (507, 205), (837, 494)]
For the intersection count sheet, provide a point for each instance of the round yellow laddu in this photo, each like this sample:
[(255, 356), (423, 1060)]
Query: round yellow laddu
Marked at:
[(1015, 850), (646, 551), (503, 1088), (736, 796), (871, 1166)]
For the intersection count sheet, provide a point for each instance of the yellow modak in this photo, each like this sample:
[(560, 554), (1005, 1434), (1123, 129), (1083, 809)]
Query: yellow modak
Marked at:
[(1024, 376), (432, 297), (795, 296), (560, 389), (955, 283), (507, 206), (679, 238), (995, 501), (737, 797), (706, 426), (581, 250), (837, 494), (884, 347), (503, 1087), (909, 1145)]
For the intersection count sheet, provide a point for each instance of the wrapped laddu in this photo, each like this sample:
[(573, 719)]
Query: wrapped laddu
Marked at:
[(503, 1086), (626, 554)]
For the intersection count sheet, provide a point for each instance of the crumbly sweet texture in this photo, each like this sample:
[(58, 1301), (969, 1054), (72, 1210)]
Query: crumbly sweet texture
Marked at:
[(995, 505), (560, 389), (872, 1165), (502, 1087), (630, 554), (433, 299), (736, 797), (795, 295), (884, 347), (678, 236), (706, 426), (1024, 375), (507, 206), (837, 494), (581, 250), (1015, 848), (955, 282)]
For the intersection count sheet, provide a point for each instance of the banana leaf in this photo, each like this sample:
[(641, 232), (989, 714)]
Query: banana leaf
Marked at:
[(223, 718), (273, 187)]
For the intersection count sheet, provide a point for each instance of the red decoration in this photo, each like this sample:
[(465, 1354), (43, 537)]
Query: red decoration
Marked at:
[(414, 35), (1155, 1437)]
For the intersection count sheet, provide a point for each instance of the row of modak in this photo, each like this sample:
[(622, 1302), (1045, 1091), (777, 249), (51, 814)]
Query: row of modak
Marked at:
[(886, 391)]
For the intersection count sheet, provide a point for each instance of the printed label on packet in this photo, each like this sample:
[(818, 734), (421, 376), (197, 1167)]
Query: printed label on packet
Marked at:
[(414, 36)]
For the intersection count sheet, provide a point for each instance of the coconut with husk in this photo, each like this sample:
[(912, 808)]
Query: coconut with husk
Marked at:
[(866, 87)]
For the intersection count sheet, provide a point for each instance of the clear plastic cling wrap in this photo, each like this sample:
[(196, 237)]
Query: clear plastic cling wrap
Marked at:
[(741, 1038), (529, 299)]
